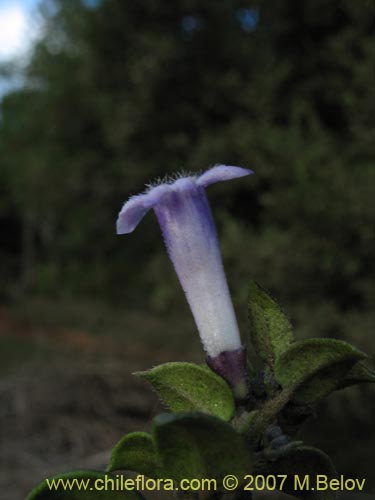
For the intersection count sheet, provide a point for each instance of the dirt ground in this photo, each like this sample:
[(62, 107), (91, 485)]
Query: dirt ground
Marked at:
[(67, 400)]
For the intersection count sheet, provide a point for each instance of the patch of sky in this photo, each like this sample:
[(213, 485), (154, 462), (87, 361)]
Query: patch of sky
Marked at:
[(190, 24), (248, 18), (91, 4)]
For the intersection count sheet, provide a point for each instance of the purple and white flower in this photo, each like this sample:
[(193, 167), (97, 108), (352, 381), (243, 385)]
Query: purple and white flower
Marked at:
[(189, 232)]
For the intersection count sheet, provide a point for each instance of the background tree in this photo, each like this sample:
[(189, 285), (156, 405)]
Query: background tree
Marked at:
[(124, 92)]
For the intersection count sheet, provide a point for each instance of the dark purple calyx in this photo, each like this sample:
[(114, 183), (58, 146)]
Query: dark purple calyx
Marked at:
[(231, 365)]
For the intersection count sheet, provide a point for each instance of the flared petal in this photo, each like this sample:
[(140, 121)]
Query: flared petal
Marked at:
[(221, 173), (132, 212)]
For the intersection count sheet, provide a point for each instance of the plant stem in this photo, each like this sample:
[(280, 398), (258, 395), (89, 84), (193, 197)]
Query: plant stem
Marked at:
[(255, 424)]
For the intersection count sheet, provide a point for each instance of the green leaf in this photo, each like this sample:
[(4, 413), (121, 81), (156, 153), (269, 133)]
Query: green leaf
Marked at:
[(82, 485), (135, 451), (189, 387), (311, 369), (302, 461), (195, 445), (270, 330), (359, 374)]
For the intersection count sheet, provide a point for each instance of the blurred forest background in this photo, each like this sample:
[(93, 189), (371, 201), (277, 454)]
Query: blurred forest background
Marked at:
[(118, 92)]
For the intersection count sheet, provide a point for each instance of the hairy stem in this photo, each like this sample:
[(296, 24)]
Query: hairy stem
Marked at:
[(253, 425)]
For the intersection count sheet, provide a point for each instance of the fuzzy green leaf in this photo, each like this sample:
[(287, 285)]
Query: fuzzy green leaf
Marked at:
[(300, 462), (190, 387), (85, 485), (270, 330), (311, 369), (135, 451), (195, 445)]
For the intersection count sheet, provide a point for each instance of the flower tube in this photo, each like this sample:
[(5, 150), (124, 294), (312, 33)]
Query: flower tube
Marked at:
[(189, 232)]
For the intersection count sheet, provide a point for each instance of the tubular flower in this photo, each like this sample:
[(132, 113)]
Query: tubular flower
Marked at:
[(189, 232)]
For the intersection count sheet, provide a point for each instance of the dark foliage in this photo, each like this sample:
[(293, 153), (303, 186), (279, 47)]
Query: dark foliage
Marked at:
[(127, 91)]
